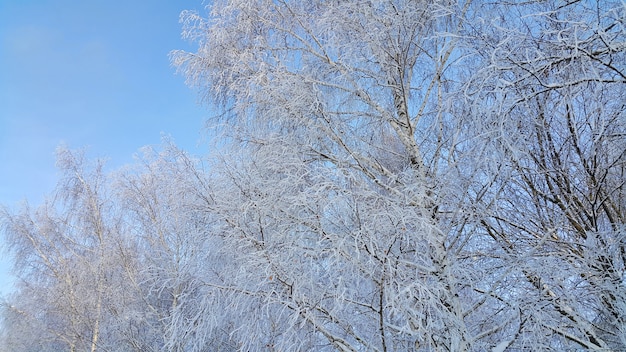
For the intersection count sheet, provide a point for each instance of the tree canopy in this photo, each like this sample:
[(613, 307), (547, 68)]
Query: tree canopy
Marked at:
[(387, 175)]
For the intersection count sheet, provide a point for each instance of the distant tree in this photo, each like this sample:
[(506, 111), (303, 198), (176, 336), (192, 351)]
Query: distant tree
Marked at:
[(71, 290), (163, 198)]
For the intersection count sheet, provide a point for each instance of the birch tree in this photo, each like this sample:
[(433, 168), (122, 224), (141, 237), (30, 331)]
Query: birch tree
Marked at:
[(164, 196), (71, 291), (441, 162), (353, 170)]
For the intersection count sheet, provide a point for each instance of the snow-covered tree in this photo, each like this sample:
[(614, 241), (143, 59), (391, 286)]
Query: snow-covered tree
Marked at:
[(71, 290), (349, 204), (452, 172), (163, 197)]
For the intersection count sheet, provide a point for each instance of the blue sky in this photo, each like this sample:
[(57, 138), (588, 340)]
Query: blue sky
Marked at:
[(92, 74)]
